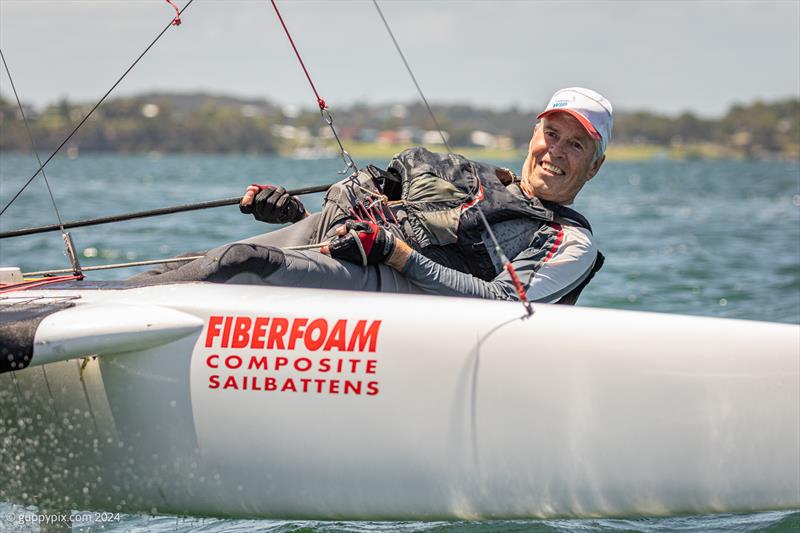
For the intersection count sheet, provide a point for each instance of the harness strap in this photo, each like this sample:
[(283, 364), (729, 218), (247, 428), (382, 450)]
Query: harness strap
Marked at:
[(572, 296), (568, 213)]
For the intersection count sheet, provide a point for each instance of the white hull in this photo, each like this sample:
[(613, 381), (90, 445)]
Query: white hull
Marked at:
[(466, 410)]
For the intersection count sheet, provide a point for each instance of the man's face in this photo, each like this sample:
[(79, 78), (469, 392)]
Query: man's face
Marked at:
[(559, 159)]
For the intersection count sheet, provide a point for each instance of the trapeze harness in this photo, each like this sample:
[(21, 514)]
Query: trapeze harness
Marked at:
[(431, 199)]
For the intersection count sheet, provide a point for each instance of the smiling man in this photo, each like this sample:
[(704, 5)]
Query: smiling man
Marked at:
[(568, 145), (418, 226), (550, 245)]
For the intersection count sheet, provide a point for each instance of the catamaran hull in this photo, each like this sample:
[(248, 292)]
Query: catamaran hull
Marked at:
[(264, 402)]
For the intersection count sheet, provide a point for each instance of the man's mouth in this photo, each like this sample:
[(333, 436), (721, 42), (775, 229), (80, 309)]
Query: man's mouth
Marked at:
[(552, 168)]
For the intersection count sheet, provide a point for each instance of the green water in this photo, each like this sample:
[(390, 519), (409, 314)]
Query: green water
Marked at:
[(703, 238)]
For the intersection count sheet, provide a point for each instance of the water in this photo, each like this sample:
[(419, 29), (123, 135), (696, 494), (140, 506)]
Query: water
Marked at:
[(769, 522), (703, 238)]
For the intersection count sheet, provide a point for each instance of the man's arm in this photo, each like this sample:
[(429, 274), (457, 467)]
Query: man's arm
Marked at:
[(547, 276)]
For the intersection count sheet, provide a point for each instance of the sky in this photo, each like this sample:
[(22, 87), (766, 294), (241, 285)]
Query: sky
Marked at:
[(666, 57)]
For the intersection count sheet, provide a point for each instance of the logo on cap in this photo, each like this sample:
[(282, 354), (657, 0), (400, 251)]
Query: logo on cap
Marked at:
[(591, 109)]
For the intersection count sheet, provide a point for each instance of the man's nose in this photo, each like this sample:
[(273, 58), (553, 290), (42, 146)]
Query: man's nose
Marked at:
[(557, 149)]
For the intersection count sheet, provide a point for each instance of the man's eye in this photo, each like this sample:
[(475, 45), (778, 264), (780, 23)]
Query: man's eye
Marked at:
[(550, 133), (577, 146)]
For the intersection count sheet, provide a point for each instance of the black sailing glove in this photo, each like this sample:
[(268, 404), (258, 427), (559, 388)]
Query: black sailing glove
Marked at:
[(365, 243), (275, 206)]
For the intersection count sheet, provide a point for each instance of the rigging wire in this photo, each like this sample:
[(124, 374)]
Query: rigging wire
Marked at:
[(72, 133), (521, 293), (33, 144), (413, 78), (148, 262), (117, 265), (65, 236), (323, 107)]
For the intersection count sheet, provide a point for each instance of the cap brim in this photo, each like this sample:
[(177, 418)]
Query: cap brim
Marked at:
[(580, 118)]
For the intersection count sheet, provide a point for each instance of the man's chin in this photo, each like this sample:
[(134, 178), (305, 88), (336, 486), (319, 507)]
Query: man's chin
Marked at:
[(541, 184)]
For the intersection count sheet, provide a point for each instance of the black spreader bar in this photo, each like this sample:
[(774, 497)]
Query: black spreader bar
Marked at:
[(149, 213)]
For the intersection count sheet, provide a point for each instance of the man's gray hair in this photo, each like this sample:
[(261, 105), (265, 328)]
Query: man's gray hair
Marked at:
[(598, 150)]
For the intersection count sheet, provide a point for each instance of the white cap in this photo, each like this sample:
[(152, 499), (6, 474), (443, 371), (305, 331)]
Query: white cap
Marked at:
[(589, 108)]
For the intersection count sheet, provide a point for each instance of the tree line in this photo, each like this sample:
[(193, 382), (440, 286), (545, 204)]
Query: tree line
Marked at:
[(221, 124)]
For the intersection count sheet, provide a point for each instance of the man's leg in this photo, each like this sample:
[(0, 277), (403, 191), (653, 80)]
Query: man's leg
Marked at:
[(221, 264), (312, 269), (250, 264), (297, 234)]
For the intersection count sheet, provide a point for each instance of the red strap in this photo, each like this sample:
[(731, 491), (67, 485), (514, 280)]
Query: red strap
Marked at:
[(369, 214), (478, 198), (523, 296), (559, 237), (356, 216), (379, 207), (177, 20), (368, 239), (25, 285), (391, 214), (320, 101)]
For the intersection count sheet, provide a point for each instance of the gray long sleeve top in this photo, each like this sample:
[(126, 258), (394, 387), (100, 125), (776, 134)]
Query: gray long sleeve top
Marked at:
[(547, 273)]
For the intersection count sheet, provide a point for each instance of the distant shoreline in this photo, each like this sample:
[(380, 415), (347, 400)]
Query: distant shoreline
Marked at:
[(202, 123), (376, 151), (616, 152)]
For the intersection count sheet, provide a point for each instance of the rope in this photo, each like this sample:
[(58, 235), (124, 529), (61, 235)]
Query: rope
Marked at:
[(149, 262), (323, 107), (60, 146), (25, 285), (521, 293), (320, 101), (117, 265), (177, 20)]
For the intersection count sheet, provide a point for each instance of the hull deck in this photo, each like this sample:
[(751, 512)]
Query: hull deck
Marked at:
[(250, 401)]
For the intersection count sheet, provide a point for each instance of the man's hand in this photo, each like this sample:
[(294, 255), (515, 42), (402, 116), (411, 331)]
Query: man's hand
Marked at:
[(271, 204), (362, 243)]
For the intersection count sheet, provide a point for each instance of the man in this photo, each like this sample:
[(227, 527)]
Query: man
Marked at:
[(566, 151), (421, 219)]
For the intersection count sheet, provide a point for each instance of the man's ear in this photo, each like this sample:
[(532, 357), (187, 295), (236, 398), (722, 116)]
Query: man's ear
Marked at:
[(595, 167)]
